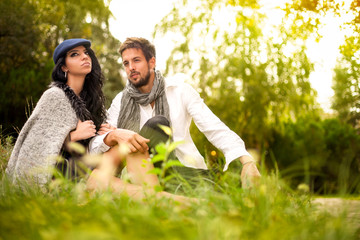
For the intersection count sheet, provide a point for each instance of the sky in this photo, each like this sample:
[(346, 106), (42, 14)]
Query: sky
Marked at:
[(137, 18)]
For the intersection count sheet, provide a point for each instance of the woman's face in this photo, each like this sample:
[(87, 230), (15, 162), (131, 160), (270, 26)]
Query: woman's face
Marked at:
[(77, 62)]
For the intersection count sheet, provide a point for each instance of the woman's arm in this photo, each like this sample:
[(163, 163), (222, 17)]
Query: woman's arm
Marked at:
[(84, 130)]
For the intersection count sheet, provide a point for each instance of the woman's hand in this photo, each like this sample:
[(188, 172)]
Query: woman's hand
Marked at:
[(105, 127), (84, 130)]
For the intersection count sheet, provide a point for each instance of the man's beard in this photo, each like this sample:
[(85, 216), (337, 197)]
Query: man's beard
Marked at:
[(143, 81)]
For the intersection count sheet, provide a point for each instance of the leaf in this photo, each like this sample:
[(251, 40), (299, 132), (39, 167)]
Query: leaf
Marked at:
[(157, 158), (172, 163), (158, 188), (156, 171), (160, 148), (76, 147), (169, 177), (172, 146), (166, 129)]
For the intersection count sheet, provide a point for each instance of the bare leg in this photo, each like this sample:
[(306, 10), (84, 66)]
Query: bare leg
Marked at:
[(138, 166), (136, 192), (103, 177)]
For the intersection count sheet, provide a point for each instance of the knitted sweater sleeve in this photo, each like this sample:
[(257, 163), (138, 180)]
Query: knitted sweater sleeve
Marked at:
[(42, 138)]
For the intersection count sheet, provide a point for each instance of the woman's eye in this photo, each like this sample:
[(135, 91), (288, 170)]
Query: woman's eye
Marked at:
[(74, 54)]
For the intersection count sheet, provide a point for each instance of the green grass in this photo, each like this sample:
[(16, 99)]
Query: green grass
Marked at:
[(65, 210), (68, 211)]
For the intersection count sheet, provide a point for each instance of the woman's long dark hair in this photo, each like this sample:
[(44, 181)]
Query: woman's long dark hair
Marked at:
[(91, 103)]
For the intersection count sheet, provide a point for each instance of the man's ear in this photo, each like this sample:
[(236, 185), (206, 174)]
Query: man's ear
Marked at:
[(152, 63)]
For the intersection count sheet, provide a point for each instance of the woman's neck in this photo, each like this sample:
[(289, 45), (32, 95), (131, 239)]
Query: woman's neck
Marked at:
[(76, 83)]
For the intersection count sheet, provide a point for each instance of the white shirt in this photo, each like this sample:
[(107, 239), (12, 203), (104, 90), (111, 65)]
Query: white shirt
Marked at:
[(185, 105)]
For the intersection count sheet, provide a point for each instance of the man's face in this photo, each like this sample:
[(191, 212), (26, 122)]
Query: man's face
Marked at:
[(138, 70)]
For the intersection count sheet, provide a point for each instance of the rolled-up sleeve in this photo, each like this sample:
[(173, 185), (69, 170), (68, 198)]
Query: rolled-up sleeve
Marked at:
[(97, 145)]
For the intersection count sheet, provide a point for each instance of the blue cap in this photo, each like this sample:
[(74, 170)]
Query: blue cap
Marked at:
[(67, 45)]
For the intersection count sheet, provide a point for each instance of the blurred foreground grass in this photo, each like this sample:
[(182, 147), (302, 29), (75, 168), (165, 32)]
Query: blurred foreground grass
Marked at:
[(68, 211), (65, 210)]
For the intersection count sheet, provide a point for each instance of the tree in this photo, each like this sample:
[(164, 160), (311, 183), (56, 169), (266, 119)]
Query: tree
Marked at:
[(255, 77), (250, 77), (347, 76), (22, 75), (346, 101)]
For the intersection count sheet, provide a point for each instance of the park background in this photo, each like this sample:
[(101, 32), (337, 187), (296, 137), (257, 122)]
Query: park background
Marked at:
[(251, 61)]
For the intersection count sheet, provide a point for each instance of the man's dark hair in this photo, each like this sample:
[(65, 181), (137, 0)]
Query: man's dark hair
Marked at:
[(140, 43)]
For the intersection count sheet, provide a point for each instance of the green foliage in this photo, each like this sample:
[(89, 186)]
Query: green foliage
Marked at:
[(343, 144), (30, 31), (346, 79), (323, 154), (166, 158), (67, 211), (257, 81), (346, 83), (247, 77), (6, 146)]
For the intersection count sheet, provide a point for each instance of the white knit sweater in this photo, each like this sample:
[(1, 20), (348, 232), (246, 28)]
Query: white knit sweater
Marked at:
[(42, 138)]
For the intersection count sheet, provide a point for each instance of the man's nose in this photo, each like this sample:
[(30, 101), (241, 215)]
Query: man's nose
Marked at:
[(131, 66)]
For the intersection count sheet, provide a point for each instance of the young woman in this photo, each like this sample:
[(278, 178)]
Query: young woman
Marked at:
[(72, 110)]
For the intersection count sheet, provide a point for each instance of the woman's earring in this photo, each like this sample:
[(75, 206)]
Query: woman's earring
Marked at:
[(65, 74)]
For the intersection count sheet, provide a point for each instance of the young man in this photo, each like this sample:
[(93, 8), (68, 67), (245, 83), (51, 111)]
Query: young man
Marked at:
[(148, 94)]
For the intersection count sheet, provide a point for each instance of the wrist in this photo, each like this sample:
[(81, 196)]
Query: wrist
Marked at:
[(73, 136), (248, 163), (246, 159), (111, 139)]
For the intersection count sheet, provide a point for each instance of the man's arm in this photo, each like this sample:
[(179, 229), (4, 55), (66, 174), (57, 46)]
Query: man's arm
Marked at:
[(110, 136), (213, 128), (220, 135), (134, 140)]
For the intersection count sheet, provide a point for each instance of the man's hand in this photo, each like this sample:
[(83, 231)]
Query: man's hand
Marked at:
[(105, 127), (136, 142), (84, 130), (249, 173)]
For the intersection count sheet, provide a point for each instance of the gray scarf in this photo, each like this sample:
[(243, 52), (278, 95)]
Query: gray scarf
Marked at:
[(129, 117)]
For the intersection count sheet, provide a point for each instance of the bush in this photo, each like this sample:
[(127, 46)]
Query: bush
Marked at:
[(323, 154), (6, 146)]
